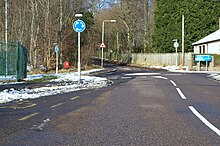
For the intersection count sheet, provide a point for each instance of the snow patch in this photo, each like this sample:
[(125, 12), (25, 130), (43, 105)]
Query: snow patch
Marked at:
[(65, 82)]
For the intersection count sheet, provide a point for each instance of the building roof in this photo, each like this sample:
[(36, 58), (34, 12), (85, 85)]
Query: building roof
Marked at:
[(215, 36)]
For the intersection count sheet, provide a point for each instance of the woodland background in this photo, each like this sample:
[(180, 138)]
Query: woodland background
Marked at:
[(143, 26)]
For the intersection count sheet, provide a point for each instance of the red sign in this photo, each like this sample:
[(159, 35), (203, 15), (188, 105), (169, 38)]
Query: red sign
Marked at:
[(102, 45)]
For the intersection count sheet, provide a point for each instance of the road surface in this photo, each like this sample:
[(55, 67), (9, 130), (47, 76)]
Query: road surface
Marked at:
[(142, 108)]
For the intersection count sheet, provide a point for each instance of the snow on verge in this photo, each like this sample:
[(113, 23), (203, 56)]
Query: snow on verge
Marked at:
[(214, 76), (65, 83)]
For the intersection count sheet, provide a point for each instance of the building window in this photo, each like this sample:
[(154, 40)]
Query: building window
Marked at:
[(200, 49), (203, 49)]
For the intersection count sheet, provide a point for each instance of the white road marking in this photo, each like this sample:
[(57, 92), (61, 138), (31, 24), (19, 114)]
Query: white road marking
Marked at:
[(28, 117), (173, 74), (141, 77), (159, 77), (181, 93), (125, 77), (59, 104), (174, 84), (74, 98), (206, 122), (88, 92), (124, 68), (141, 74)]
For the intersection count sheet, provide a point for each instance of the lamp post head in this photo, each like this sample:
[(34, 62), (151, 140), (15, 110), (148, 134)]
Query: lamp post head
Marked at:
[(174, 40), (78, 15), (109, 21), (113, 20)]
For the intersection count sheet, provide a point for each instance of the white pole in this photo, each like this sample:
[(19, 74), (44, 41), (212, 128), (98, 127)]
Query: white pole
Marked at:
[(206, 65), (176, 57), (183, 51), (117, 47), (219, 23), (56, 62), (6, 37), (79, 65), (102, 58), (103, 33)]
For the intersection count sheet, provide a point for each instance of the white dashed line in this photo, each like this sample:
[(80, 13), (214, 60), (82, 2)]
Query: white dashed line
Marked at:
[(88, 92), (159, 77), (206, 122), (28, 117), (174, 84), (141, 74), (181, 93), (73, 98), (59, 104)]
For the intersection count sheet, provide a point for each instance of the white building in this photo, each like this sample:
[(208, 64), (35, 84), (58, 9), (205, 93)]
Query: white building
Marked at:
[(209, 44)]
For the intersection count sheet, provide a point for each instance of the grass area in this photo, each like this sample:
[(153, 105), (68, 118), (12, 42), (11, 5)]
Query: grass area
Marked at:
[(43, 79)]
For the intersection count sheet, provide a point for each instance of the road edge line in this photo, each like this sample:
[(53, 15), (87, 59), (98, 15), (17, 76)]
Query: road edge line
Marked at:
[(206, 122)]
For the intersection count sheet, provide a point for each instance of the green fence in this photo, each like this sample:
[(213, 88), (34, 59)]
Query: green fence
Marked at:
[(13, 60)]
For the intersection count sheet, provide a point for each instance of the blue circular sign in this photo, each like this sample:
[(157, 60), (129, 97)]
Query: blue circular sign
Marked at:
[(79, 26), (56, 49)]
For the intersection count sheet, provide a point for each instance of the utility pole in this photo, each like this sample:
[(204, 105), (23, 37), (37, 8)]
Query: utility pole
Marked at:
[(183, 51), (219, 23), (6, 37), (117, 47), (145, 25), (60, 32)]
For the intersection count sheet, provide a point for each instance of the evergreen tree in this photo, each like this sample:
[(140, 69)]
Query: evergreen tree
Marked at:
[(201, 19)]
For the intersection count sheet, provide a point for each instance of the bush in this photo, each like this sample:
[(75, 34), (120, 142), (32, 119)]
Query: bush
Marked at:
[(217, 59)]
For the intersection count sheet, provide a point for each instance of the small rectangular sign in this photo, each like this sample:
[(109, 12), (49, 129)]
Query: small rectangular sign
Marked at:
[(199, 58)]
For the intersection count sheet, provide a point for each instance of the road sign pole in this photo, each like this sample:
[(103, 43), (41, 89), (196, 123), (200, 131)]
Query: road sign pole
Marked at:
[(79, 64), (56, 51), (176, 45), (56, 63), (102, 58), (176, 57), (79, 26), (206, 65)]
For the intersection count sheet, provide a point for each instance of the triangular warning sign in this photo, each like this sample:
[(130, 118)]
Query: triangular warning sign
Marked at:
[(102, 45)]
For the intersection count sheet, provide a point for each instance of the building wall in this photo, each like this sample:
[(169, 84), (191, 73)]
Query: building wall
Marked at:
[(214, 48), (210, 48)]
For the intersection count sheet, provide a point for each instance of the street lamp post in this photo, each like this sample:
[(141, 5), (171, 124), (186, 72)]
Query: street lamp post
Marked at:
[(6, 37), (103, 35)]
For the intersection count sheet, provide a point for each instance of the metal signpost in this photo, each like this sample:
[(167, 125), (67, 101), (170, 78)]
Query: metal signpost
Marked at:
[(56, 50), (176, 45), (206, 58), (102, 46), (79, 26)]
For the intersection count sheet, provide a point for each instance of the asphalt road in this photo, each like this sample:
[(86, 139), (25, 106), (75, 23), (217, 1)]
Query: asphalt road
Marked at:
[(142, 108)]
